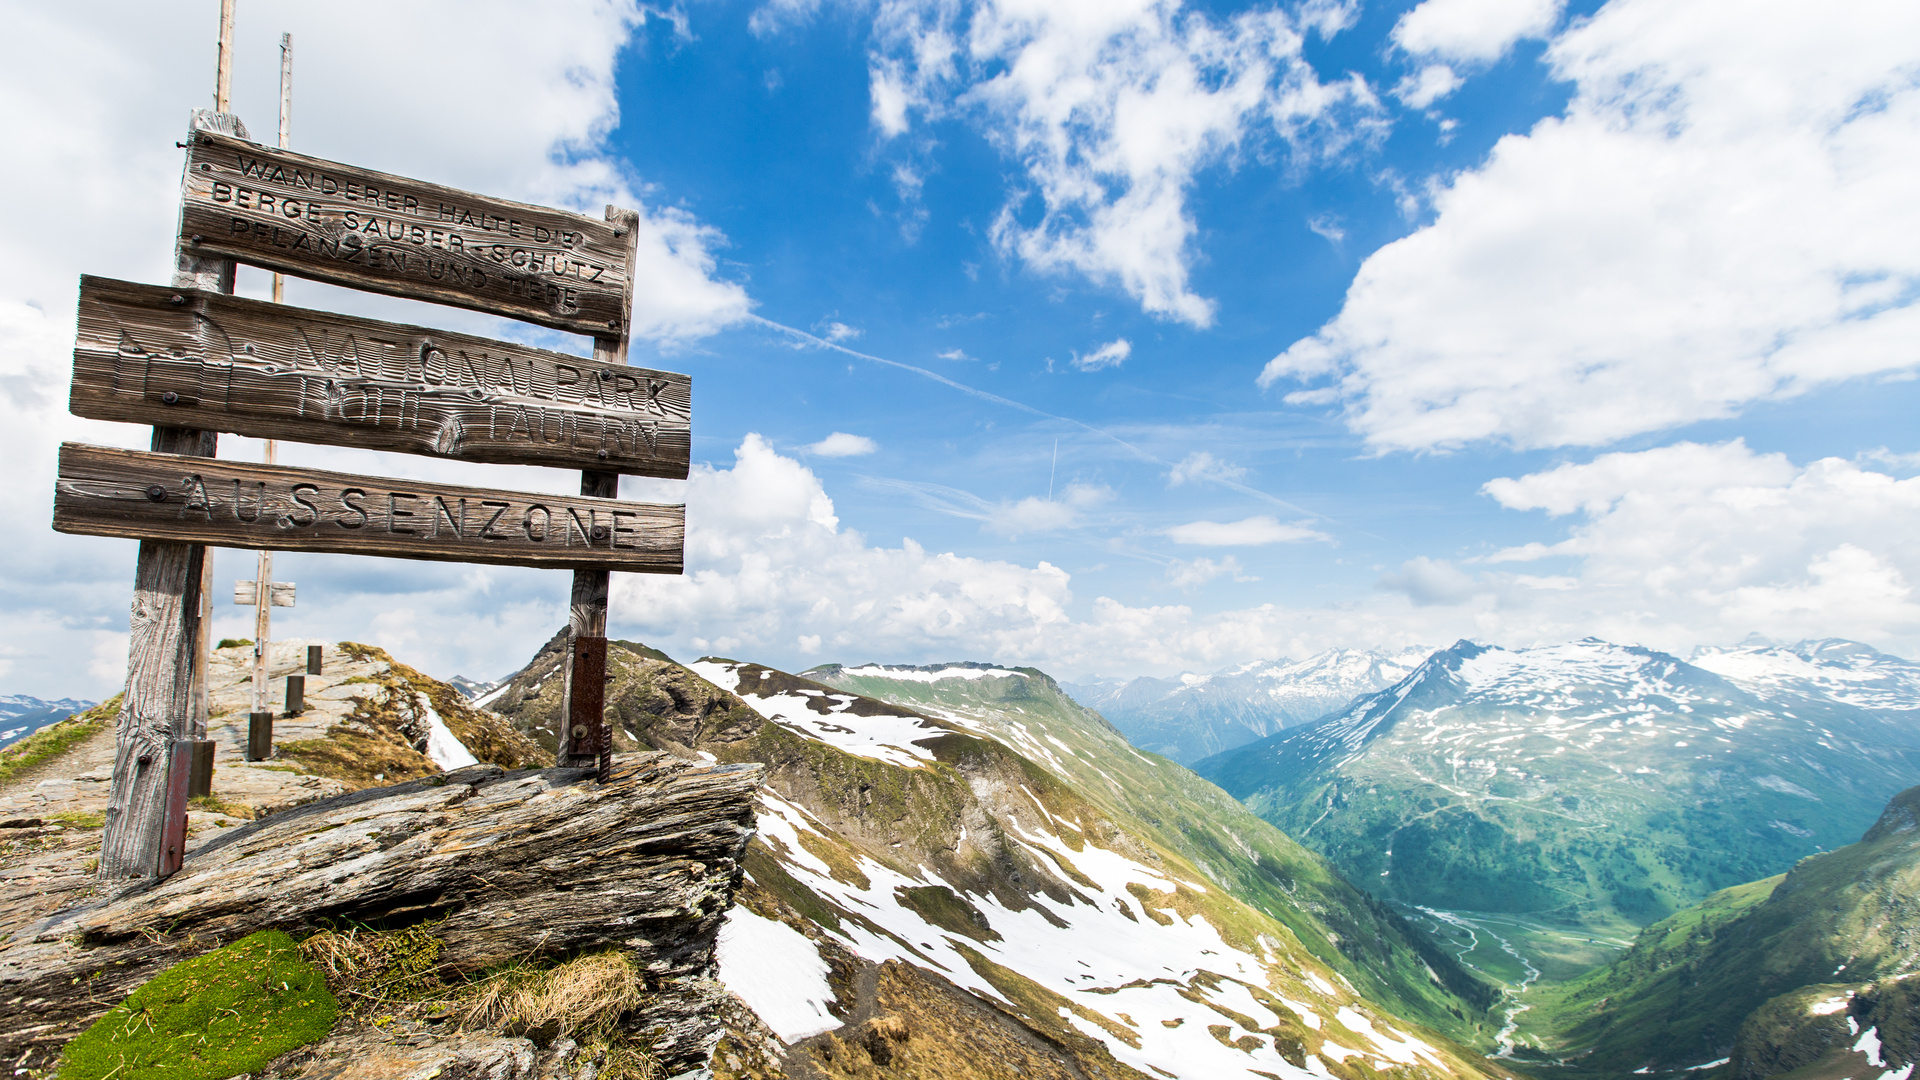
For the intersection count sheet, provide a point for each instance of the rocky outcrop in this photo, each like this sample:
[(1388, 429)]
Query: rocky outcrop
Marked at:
[(506, 866)]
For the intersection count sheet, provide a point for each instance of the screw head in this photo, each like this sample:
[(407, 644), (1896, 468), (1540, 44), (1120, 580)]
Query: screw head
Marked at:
[(197, 238), (603, 455), (176, 299), (170, 398), (206, 168), (599, 532), (606, 376), (580, 732), (156, 493)]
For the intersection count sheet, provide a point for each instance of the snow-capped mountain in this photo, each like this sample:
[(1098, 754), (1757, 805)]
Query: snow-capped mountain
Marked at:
[(1192, 716), (21, 716), (472, 689), (1832, 668), (955, 880), (1586, 779)]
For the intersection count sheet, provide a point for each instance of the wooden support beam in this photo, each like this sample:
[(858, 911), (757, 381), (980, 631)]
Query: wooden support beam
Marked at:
[(166, 699), (586, 740)]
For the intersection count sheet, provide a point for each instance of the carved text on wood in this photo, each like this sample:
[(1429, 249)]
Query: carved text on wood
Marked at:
[(108, 492)]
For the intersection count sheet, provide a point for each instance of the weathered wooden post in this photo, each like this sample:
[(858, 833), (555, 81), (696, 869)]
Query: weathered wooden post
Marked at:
[(585, 737), (164, 710)]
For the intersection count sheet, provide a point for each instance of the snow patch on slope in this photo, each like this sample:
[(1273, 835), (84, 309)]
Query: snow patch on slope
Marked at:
[(777, 972), (892, 739), (443, 746), (927, 675)]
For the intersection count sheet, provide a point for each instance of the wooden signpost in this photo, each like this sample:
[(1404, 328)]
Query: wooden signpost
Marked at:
[(193, 360)]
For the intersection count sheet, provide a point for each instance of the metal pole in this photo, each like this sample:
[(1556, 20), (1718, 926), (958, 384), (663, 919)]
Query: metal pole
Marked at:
[(263, 579)]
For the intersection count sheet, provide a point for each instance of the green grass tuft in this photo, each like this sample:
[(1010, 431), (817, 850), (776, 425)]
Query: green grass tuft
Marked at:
[(224, 1013), (234, 643)]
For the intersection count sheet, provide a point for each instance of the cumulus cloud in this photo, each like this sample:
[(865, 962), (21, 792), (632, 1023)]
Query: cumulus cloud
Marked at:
[(1202, 465), (1112, 354), (839, 331), (1427, 582), (1473, 30), (1037, 515), (1717, 219), (841, 444), (1710, 542), (1428, 85), (1687, 545), (1247, 532), (1187, 574), (1111, 109)]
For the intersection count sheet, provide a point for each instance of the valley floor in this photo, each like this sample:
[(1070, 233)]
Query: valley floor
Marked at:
[(1524, 954)]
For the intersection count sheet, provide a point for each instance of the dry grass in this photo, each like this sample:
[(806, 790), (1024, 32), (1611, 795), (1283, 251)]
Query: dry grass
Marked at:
[(584, 999), (375, 966), (585, 996)]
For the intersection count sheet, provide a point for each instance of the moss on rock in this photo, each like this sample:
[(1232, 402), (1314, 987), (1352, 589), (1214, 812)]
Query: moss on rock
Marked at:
[(220, 1014)]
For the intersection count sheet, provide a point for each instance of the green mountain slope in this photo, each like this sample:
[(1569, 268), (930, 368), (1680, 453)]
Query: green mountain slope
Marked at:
[(1024, 708), (1586, 782), (924, 899), (1777, 976)]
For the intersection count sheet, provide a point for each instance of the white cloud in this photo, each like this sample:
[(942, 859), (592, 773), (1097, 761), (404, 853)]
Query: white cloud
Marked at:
[(1698, 543), (1112, 108), (1687, 545), (1428, 85), (839, 331), (1202, 465), (1247, 532), (841, 444), (1719, 218), (1037, 515), (1474, 30), (1427, 582), (1112, 354), (1184, 574)]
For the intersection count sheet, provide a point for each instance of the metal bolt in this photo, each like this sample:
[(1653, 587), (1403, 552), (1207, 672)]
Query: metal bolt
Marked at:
[(197, 238), (613, 324), (606, 376), (176, 299), (599, 532), (603, 455), (156, 493), (580, 732), (170, 398), (206, 168), (181, 145)]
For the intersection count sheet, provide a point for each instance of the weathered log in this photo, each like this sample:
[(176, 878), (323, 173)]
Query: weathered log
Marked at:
[(538, 863)]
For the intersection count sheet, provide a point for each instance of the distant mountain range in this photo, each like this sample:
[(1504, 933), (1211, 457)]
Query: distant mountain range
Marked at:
[(1192, 716), (1589, 780), (21, 716)]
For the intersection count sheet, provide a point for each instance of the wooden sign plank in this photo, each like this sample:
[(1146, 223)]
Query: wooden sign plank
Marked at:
[(109, 492), (225, 363), (383, 233)]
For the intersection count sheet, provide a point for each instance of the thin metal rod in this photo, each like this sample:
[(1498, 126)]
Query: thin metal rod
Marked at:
[(286, 129), (223, 75)]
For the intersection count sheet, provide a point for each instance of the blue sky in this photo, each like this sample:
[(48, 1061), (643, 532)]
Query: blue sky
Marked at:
[(1114, 338)]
